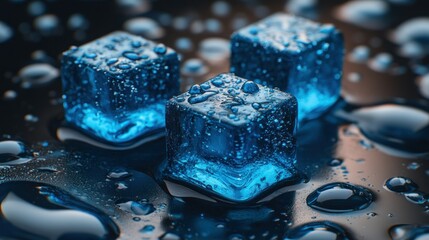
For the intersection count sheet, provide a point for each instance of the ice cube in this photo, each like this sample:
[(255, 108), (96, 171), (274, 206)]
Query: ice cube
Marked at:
[(116, 87), (297, 55), (231, 138)]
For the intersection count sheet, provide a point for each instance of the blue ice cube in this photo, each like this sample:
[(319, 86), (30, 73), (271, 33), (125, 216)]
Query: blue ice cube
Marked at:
[(231, 138), (297, 55), (116, 87)]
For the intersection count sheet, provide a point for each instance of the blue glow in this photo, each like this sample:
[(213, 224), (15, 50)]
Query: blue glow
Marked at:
[(116, 87), (231, 138), (294, 54)]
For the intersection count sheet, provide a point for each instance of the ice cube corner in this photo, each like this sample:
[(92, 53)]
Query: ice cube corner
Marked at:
[(116, 86), (296, 55), (231, 138)]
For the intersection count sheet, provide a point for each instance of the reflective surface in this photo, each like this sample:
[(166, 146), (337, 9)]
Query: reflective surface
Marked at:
[(33, 116)]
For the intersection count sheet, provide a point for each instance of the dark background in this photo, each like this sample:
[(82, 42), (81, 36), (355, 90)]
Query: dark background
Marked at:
[(327, 139)]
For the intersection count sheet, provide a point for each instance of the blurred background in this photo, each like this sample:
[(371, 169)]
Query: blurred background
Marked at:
[(379, 130)]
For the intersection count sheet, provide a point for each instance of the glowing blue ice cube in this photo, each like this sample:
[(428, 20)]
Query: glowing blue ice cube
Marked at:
[(116, 87), (297, 55), (231, 138)]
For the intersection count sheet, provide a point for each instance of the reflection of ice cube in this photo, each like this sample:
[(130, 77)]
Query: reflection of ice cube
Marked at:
[(116, 86), (235, 143), (294, 54)]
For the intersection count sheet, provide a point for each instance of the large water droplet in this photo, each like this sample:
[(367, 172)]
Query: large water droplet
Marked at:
[(317, 230), (145, 27), (33, 210), (400, 185), (47, 24), (367, 14), (13, 153), (340, 197), (194, 67), (305, 8), (214, 49), (250, 87), (401, 127), (136, 208), (414, 31), (416, 197), (37, 74), (409, 232)]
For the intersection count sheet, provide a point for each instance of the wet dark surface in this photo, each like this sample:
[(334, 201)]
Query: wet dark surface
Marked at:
[(83, 170)]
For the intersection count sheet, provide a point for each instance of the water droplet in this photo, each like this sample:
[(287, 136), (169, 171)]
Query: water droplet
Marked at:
[(5, 32), (335, 162), (217, 82), (401, 127), (111, 61), (214, 49), (33, 210), (118, 174), (340, 197), (416, 197), (147, 229), (133, 7), (408, 231), (360, 54), (413, 166), (136, 208), (195, 89), (194, 67), (381, 62), (90, 55), (145, 27), (200, 98), (423, 84), (250, 87), (317, 230), (365, 144), (354, 77), (77, 22), (236, 237), (37, 74), (305, 8), (256, 106), (184, 44), (221, 8), (36, 8), (371, 214), (121, 186), (160, 49), (13, 153), (400, 185), (31, 118), (124, 66), (170, 236), (9, 95), (367, 14), (48, 169), (213, 25), (415, 32), (131, 55), (47, 24)]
